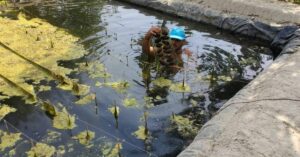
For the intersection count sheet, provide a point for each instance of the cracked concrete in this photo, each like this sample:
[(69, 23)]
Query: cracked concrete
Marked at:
[(263, 119)]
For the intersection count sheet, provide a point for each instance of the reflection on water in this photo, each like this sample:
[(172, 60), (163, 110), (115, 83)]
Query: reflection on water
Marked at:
[(221, 65)]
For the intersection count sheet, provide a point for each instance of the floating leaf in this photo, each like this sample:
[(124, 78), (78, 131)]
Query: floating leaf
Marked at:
[(8, 139), (162, 82), (141, 133), (5, 109), (87, 99), (178, 87), (63, 120), (85, 137), (120, 87), (41, 150), (129, 102)]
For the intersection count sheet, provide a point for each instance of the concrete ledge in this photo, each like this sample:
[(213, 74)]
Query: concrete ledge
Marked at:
[(263, 119)]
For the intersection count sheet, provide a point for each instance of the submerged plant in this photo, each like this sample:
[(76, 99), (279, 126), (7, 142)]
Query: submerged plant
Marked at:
[(8, 139), (41, 150)]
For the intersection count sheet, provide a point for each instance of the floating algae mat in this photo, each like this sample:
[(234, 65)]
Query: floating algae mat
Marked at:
[(74, 82)]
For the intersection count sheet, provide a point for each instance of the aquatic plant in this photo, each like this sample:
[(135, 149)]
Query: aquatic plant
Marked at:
[(180, 88), (5, 110), (140, 133), (86, 99), (63, 120), (8, 139), (120, 86), (162, 82), (39, 56), (184, 126), (41, 150), (49, 108), (129, 102), (85, 137)]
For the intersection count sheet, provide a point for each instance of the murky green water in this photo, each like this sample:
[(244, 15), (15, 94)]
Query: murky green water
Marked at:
[(111, 31)]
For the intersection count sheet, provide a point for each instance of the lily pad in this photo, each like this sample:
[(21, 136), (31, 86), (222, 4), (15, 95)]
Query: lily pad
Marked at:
[(63, 120), (42, 150), (178, 87), (162, 82), (5, 109), (87, 99), (85, 137), (130, 102), (8, 139)]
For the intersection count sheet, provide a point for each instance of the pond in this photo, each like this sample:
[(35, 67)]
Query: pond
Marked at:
[(144, 117)]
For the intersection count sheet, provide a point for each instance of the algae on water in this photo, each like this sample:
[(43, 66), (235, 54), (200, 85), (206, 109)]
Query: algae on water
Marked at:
[(162, 82), (129, 102), (63, 120), (85, 137), (39, 56), (41, 150), (5, 109), (8, 139), (86, 99)]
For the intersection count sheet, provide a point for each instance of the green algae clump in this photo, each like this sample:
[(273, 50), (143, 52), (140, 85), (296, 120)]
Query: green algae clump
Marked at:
[(23, 57), (162, 82), (184, 126), (130, 102), (63, 120), (141, 133), (5, 110), (85, 137), (120, 86), (8, 139), (178, 87), (86, 99), (41, 150)]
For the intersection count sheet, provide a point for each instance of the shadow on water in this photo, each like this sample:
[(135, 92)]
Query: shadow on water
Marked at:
[(111, 31)]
